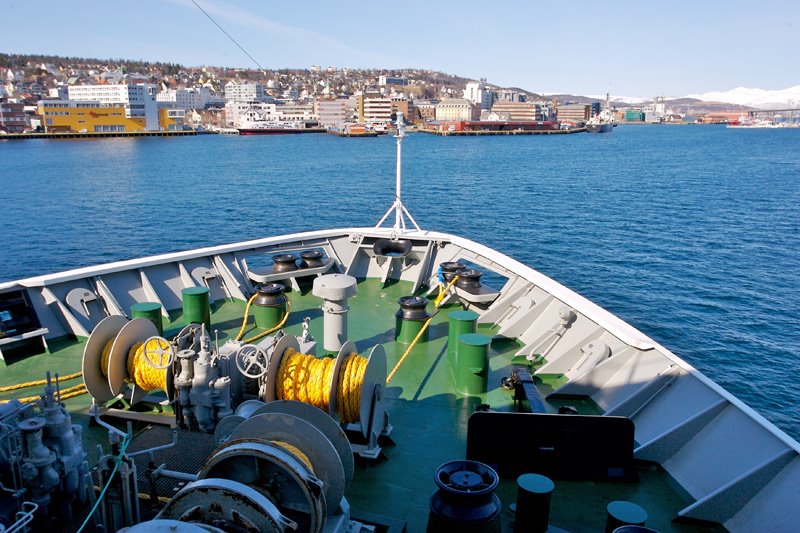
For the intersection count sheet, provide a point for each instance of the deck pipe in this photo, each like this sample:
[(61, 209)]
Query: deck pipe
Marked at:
[(151, 311), (196, 306), (459, 323), (472, 370)]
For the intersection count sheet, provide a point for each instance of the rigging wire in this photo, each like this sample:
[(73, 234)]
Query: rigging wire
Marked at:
[(228, 35)]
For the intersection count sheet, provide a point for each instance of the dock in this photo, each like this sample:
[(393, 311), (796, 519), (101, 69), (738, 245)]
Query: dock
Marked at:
[(500, 132), (97, 135)]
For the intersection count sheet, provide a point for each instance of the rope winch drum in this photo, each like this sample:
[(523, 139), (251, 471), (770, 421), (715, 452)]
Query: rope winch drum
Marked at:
[(348, 386), (120, 352)]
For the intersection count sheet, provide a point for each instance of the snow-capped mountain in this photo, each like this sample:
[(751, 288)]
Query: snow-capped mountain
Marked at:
[(758, 98)]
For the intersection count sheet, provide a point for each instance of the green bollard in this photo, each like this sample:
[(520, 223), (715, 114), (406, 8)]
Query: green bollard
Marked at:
[(151, 311), (472, 371), (460, 322), (196, 306)]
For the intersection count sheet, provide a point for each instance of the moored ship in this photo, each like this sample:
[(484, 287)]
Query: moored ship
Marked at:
[(602, 122)]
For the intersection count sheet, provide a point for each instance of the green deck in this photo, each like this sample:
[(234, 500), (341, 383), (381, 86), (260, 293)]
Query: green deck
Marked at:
[(429, 419)]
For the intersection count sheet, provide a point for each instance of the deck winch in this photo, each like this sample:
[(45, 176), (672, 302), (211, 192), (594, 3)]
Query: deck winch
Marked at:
[(348, 387), (284, 467), (128, 358)]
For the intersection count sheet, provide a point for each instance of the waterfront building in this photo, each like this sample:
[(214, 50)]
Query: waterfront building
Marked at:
[(87, 116), (238, 112), (377, 110), (634, 115), (295, 112), (331, 113), (172, 119), (244, 92), (12, 116), (477, 93), (655, 112), (457, 109), (402, 104), (392, 80), (181, 99), (139, 101), (574, 112), (426, 109), (518, 110)]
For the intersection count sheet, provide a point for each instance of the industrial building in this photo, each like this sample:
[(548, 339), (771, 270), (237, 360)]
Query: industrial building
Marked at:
[(137, 101), (574, 112)]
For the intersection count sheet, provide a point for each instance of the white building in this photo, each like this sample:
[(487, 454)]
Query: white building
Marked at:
[(244, 92), (332, 113), (139, 100), (457, 109), (377, 111), (477, 93), (181, 99), (655, 112)]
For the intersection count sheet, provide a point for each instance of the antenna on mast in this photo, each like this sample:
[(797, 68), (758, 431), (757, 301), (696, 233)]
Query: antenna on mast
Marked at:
[(397, 206)]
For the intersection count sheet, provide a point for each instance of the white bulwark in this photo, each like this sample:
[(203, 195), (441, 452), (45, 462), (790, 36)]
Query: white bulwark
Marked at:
[(139, 100)]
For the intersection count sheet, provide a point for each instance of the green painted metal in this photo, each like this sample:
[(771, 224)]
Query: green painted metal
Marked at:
[(268, 317), (622, 513), (460, 322), (151, 311), (533, 503), (406, 330), (473, 363), (196, 306), (430, 419)]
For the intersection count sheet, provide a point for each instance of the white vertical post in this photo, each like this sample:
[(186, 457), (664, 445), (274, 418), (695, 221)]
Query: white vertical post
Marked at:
[(398, 202)]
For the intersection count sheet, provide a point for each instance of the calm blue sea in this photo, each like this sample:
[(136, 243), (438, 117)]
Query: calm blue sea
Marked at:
[(690, 233)]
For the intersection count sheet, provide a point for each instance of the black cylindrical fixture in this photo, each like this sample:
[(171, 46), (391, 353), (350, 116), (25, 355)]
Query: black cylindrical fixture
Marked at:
[(533, 503), (270, 295), (311, 259), (284, 263), (413, 308), (410, 319), (469, 279), (465, 500), (450, 269)]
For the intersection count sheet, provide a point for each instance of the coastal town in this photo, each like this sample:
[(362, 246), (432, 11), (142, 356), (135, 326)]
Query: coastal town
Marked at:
[(52, 95)]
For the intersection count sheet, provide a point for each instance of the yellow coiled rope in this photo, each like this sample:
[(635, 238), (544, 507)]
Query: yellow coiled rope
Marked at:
[(140, 372), (305, 378), (263, 333), (296, 451)]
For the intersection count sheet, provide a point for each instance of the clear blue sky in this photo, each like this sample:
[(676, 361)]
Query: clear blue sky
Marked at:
[(641, 48)]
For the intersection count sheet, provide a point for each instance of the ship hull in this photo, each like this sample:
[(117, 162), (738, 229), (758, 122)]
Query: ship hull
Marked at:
[(600, 128), (270, 131)]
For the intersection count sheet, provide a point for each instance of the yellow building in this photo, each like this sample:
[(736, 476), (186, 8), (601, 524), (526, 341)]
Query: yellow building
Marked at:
[(94, 117), (171, 119)]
